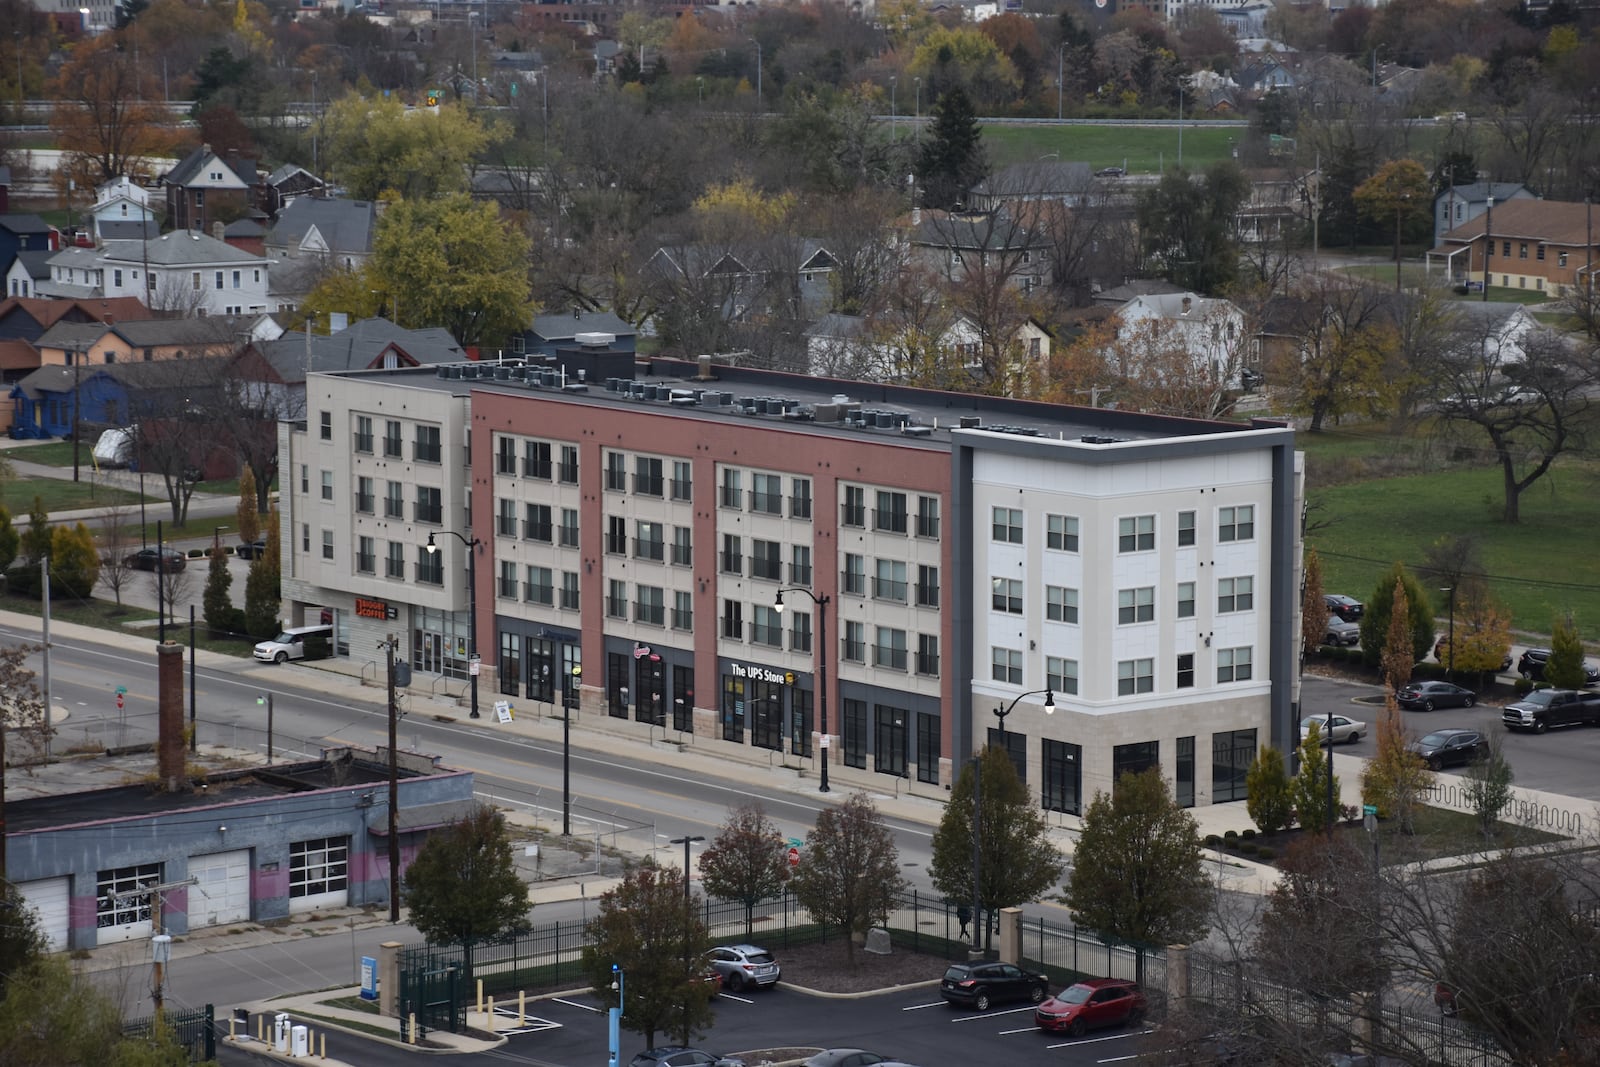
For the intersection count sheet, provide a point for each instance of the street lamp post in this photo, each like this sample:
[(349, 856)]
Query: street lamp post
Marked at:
[(1049, 709), (615, 1018), (569, 693), (1450, 639), (472, 608), (919, 108), (1399, 205), (685, 842), (821, 658), (978, 918)]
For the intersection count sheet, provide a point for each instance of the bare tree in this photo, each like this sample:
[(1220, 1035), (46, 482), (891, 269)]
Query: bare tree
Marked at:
[(23, 714), (1338, 367), (114, 544), (175, 406)]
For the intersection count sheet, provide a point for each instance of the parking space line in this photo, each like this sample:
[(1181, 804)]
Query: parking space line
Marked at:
[(575, 1004), (919, 1007), (1024, 1030), (990, 1015), (1097, 1040), (741, 1000)]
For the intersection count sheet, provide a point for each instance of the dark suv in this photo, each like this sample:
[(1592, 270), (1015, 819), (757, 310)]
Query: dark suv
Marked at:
[(979, 985), (1347, 608), (1531, 666)]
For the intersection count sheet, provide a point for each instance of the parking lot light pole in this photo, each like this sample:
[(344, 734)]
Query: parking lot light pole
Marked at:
[(472, 608), (569, 693), (1450, 639), (821, 658), (685, 842)]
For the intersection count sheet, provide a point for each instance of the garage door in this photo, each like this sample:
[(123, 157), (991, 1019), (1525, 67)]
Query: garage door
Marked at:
[(221, 890), (48, 898)]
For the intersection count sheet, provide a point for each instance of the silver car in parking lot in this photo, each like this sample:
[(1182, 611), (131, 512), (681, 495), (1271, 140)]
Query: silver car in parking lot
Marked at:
[(744, 966)]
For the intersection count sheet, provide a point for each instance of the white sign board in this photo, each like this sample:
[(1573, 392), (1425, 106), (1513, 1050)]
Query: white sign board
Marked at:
[(502, 710)]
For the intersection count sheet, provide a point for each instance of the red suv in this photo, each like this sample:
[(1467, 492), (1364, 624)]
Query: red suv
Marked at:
[(1092, 1004)]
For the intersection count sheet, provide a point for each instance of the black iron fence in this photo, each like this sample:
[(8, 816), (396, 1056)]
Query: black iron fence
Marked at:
[(193, 1028)]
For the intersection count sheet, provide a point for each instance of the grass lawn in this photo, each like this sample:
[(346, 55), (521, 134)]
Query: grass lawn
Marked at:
[(53, 454), (1142, 149), (17, 496), (102, 614), (1439, 833), (1543, 565)]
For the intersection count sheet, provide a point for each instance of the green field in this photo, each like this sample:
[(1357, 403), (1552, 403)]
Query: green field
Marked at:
[(1142, 149), (1396, 496)]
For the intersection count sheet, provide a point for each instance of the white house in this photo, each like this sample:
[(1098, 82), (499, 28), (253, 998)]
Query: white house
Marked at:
[(121, 200), (1212, 329), (184, 272), (850, 346)]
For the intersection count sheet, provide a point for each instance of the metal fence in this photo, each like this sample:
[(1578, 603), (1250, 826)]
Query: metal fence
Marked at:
[(193, 1028)]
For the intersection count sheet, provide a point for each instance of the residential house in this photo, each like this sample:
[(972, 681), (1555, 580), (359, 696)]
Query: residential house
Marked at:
[(121, 200), (1119, 295), (25, 233), (29, 318), (1212, 330), (149, 340), (1245, 20), (184, 272), (27, 270), (1460, 204), (43, 403), (312, 236), (287, 184), (247, 235), (1277, 205), (552, 332), (1064, 182), (954, 246), (1261, 73), (1501, 329), (205, 187), (129, 230), (1548, 246), (852, 346)]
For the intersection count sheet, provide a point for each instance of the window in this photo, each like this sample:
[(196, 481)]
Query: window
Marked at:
[(683, 546), (1136, 605), (1136, 533), (928, 655), (1134, 759), (650, 605), (569, 465), (853, 510), (1061, 532), (116, 275), (536, 522), (928, 749), (1235, 594), (569, 527), (1232, 752), (1135, 676), (391, 439), (505, 520), (305, 537), (854, 731), (889, 748), (327, 544), (1185, 600), (853, 644), (194, 278), (508, 580), (928, 517), (1237, 524), (800, 498), (927, 586), (616, 472), (682, 480), (217, 278), (1233, 665), (1005, 665), (540, 586), (325, 425), (1061, 764), (430, 566), (327, 485), (766, 559), (536, 459), (505, 461), (1006, 525), (429, 507), (766, 626), (363, 442), (1185, 528), (1522, 250), (394, 564), (570, 597), (318, 867), (1006, 595), (890, 514), (890, 581), (1186, 670), (647, 480), (1183, 783), (649, 541), (366, 498), (890, 648), (1061, 675), (366, 555), (731, 494), (682, 610), (616, 598), (766, 494), (855, 574), (426, 449), (1539, 253), (732, 554), (799, 631), (733, 620), (800, 564), (1060, 604)]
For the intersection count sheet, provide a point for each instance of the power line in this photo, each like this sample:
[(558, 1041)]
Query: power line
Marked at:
[(1542, 582)]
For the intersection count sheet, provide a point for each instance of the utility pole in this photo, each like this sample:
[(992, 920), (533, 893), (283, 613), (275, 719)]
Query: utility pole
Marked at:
[(194, 726), (44, 574), (389, 645)]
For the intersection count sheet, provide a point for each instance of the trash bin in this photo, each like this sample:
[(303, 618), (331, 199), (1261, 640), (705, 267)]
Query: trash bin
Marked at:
[(300, 1043)]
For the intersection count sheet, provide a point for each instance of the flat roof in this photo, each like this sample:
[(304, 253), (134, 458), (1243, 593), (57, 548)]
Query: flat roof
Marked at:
[(893, 414)]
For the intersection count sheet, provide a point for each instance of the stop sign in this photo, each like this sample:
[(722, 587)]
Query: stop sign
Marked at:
[(794, 857), (119, 701)]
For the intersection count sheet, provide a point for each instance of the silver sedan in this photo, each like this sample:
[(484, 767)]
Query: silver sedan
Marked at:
[(1345, 731)]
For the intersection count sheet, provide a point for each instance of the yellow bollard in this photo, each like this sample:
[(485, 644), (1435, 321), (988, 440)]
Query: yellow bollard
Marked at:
[(522, 1008), (324, 1046), (413, 1026), (480, 996), (491, 1015), (261, 1027), (230, 1028)]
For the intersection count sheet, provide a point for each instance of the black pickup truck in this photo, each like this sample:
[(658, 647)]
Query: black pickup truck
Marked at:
[(1544, 708)]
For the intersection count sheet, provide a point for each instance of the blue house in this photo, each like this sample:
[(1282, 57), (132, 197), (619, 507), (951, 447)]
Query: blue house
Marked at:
[(550, 333), (114, 394)]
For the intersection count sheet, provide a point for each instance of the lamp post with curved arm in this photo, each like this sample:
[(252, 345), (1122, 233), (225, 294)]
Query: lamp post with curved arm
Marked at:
[(472, 607), (978, 920), (821, 658)]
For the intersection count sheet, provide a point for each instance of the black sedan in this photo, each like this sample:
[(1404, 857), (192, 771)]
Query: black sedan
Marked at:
[(1347, 608), (979, 985), (251, 549), (1426, 696), (1447, 748), (149, 559)]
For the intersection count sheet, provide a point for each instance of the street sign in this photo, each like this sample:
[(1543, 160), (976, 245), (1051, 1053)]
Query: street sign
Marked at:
[(1370, 824), (641, 651), (121, 689), (794, 857), (475, 665), (824, 741), (119, 701), (1369, 809)]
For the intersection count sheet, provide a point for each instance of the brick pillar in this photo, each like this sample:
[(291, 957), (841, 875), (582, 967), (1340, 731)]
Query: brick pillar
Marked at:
[(389, 979), (1011, 935), (1177, 977), (169, 714)]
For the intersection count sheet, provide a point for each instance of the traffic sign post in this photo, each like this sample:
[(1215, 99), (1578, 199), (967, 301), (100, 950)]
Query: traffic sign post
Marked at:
[(794, 857), (119, 701)]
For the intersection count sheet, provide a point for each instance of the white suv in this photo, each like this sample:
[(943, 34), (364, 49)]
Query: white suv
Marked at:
[(742, 966)]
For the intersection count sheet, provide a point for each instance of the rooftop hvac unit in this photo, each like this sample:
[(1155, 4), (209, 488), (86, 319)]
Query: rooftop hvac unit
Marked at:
[(970, 422), (595, 340)]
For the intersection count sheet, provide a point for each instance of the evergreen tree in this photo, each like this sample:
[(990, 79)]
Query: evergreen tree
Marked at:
[(261, 599), (216, 601), (1564, 670), (10, 540), (1375, 619), (1310, 787), (36, 538), (74, 563), (1313, 609), (953, 159), (1266, 784)]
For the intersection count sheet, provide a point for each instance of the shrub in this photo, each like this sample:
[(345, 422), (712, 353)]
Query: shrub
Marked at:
[(1249, 848), (1231, 834), (1212, 841), (1248, 835), (1523, 686), (1265, 854)]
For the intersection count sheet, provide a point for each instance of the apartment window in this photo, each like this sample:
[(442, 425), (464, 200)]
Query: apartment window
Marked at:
[(855, 574), (616, 535), (1561, 259), (394, 564), (890, 514), (540, 587), (366, 555), (853, 645), (928, 517), (766, 626), (327, 485), (426, 449), (733, 620), (799, 631), (305, 538), (392, 447), (682, 610), (616, 598), (1061, 675), (505, 520), (766, 559), (217, 278), (928, 749), (1136, 758), (325, 425), (430, 566), (732, 554), (505, 457), (535, 459), (854, 734), (1233, 665), (305, 479), (853, 510), (569, 527), (429, 507), (363, 442), (327, 544), (1061, 532), (800, 498), (732, 493), (927, 586), (682, 480), (1237, 523), (1005, 665), (890, 648), (800, 565), (569, 465), (1539, 253), (1186, 670), (1136, 533), (116, 275), (508, 580), (1061, 604), (1183, 781), (1136, 676), (890, 581), (1061, 764), (366, 498), (1232, 752), (570, 597), (766, 494), (536, 522), (649, 541), (889, 749), (616, 472), (650, 605), (1006, 595), (1185, 528), (683, 546), (1136, 605), (1522, 250), (1006, 525), (647, 478), (1185, 600), (1235, 594)]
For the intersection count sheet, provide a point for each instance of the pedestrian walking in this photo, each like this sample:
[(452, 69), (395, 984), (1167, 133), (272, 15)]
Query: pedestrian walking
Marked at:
[(964, 916)]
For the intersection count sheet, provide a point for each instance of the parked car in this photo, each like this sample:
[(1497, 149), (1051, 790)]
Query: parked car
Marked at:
[(843, 1057), (146, 559), (1444, 996), (1544, 708), (978, 985), (1447, 748), (1347, 608), (743, 966), (1441, 650), (679, 1056), (1429, 695), (1111, 172), (1531, 666), (1342, 633), (1345, 731), (1090, 1005), (1251, 380), (251, 549)]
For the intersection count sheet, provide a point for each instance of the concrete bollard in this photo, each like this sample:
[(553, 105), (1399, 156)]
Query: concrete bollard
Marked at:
[(522, 1008), (323, 1045), (261, 1027), (480, 995), (411, 1026), (491, 1015)]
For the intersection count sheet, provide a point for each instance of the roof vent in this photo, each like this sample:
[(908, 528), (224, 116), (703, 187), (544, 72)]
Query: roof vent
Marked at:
[(918, 431), (970, 422)]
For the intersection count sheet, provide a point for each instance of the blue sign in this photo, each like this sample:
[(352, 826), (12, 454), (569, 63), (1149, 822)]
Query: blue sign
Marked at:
[(369, 978)]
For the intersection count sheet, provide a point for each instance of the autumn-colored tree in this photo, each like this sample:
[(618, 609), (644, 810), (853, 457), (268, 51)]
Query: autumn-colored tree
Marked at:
[(964, 57), (373, 144), (1313, 609), (1338, 366), (74, 563), (1395, 779), (1482, 631), (746, 860), (24, 719), (109, 116), (1399, 192), (247, 513), (1398, 656), (36, 537), (850, 878), (1310, 788)]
